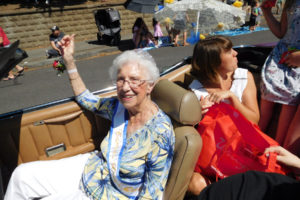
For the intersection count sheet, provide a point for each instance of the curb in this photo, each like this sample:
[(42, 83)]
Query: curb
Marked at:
[(43, 62)]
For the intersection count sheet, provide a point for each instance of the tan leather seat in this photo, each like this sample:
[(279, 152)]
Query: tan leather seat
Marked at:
[(25, 138), (184, 109)]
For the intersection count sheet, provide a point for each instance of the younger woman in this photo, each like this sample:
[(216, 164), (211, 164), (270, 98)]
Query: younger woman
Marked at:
[(218, 78)]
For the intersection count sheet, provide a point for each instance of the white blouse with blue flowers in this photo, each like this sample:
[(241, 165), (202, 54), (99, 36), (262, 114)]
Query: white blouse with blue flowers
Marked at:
[(145, 159)]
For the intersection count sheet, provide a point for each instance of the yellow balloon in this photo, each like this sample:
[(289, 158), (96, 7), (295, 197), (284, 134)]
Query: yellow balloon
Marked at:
[(220, 25), (169, 1), (168, 20), (237, 4), (202, 37)]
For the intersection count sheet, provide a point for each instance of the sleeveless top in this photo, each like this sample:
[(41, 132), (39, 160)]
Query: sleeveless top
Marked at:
[(238, 86)]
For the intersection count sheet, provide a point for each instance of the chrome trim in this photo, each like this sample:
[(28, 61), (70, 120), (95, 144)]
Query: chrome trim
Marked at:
[(53, 103), (186, 60)]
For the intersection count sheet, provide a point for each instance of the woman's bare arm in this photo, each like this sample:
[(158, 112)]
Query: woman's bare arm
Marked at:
[(67, 49), (249, 106), (278, 28)]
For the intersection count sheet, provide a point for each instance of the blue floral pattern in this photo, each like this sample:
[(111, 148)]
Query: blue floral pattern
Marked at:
[(147, 156)]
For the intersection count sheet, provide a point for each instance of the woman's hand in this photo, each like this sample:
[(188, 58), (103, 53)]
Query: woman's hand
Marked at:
[(293, 59), (285, 157), (205, 104), (217, 97), (67, 47)]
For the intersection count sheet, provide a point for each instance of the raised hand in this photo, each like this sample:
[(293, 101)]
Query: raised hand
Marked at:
[(67, 47)]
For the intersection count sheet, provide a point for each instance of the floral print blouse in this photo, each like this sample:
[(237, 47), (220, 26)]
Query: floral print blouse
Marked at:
[(145, 160)]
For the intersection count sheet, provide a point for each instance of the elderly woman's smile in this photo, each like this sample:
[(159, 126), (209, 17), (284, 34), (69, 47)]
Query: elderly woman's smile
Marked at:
[(132, 86)]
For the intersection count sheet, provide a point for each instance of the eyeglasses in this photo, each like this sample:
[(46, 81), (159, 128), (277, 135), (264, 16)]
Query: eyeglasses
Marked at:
[(133, 83)]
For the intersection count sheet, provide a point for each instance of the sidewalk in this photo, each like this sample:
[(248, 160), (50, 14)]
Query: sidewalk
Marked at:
[(84, 50)]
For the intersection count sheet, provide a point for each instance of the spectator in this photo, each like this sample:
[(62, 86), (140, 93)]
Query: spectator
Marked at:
[(254, 15), (281, 73), (141, 35), (54, 38), (180, 25), (258, 18), (157, 30), (4, 42)]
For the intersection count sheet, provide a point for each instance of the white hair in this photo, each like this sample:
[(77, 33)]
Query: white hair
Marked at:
[(142, 58)]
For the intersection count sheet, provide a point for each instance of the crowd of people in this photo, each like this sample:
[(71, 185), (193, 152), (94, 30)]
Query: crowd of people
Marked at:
[(142, 37), (136, 155)]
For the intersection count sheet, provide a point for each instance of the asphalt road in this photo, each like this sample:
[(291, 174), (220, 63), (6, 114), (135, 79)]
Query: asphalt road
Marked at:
[(43, 85)]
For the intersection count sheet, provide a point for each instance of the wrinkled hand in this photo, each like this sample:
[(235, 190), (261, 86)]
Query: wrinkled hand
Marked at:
[(217, 97), (205, 104), (67, 46), (284, 156), (293, 59)]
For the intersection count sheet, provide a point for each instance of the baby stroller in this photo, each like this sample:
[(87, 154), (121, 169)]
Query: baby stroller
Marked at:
[(108, 23)]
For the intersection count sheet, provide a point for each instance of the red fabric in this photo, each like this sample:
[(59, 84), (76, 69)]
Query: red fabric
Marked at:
[(4, 38), (232, 144)]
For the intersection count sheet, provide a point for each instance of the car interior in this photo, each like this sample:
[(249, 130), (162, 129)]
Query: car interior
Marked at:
[(66, 129)]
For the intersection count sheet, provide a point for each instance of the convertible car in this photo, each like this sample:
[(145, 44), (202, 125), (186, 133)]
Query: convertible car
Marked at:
[(60, 129)]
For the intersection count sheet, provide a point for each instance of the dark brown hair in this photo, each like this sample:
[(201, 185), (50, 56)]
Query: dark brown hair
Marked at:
[(206, 57)]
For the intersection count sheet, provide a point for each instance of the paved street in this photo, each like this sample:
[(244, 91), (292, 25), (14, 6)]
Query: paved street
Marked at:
[(43, 85)]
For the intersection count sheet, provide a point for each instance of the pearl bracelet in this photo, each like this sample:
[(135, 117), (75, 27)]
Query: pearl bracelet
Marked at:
[(71, 71)]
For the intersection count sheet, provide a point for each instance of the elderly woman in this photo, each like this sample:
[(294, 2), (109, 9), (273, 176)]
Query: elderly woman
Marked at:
[(135, 156)]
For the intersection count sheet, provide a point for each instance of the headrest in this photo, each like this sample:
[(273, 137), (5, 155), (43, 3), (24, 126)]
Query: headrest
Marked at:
[(180, 104)]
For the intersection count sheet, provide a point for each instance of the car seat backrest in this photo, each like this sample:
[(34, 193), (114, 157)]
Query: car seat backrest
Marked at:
[(183, 108)]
